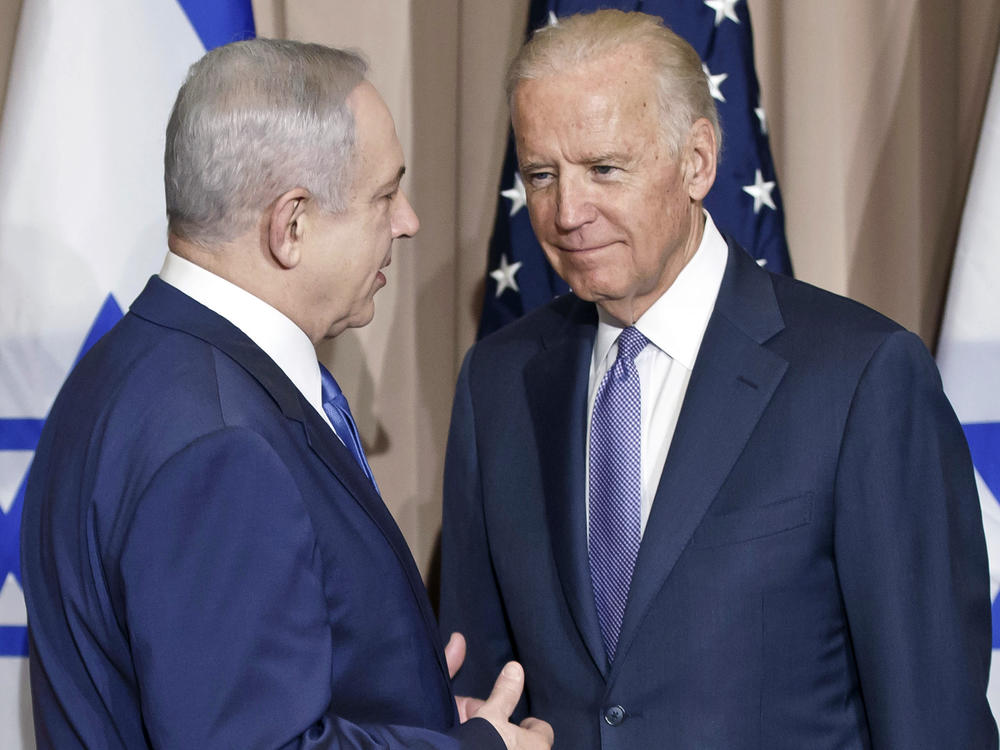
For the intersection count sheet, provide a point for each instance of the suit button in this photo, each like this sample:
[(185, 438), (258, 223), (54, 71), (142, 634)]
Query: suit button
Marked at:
[(614, 715)]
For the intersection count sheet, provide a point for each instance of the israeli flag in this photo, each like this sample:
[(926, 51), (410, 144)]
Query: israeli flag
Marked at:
[(969, 348), (82, 224)]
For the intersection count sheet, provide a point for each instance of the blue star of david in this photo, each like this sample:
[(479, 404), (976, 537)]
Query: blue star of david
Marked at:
[(984, 445), (22, 435)]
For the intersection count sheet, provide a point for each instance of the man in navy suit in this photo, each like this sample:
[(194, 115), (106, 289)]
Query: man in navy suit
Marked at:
[(207, 560), (707, 507)]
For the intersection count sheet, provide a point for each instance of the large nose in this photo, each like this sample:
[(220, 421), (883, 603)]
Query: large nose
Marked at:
[(574, 208), (405, 222)]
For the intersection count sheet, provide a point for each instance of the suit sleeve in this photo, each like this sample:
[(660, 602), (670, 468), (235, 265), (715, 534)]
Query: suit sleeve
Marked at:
[(226, 615), (470, 597), (911, 557)]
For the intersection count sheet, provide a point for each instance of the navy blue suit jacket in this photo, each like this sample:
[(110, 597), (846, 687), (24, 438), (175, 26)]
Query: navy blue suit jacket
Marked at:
[(206, 566), (813, 573)]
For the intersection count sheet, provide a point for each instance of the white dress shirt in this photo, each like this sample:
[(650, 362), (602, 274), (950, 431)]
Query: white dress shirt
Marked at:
[(675, 325), (280, 338)]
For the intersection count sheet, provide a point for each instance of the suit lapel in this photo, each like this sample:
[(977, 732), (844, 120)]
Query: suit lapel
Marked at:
[(346, 470), (556, 380), (164, 305), (733, 380)]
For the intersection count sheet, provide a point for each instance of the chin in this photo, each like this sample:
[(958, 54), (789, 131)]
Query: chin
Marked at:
[(591, 292), (363, 318)]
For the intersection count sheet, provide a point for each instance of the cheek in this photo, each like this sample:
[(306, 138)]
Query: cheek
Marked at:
[(381, 235), (660, 214), (541, 212), (372, 238), (382, 222)]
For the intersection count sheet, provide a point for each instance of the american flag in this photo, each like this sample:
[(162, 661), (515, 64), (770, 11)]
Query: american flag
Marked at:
[(744, 201)]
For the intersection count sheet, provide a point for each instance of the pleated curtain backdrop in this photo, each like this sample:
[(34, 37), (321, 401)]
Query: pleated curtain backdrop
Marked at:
[(873, 109)]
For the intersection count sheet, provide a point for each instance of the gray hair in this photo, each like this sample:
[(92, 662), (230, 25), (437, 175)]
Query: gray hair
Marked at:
[(682, 87), (253, 120)]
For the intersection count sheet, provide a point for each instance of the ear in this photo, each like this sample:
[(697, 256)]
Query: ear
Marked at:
[(701, 157), (285, 228)]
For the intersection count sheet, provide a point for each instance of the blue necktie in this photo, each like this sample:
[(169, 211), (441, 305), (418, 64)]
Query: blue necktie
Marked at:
[(616, 486), (336, 408)]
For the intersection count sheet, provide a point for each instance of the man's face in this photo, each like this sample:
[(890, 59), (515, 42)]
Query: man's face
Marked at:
[(345, 253), (617, 215)]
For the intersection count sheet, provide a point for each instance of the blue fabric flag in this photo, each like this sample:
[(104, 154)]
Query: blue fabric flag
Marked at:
[(744, 202), (221, 22)]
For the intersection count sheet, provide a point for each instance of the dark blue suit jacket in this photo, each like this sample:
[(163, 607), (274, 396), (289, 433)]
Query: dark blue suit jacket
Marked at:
[(813, 573), (206, 566)]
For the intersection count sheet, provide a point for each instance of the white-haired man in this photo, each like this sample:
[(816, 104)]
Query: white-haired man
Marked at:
[(207, 560), (705, 506)]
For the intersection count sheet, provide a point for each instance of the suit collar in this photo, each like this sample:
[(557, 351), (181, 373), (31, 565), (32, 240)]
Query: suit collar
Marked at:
[(746, 298), (270, 329), (164, 305)]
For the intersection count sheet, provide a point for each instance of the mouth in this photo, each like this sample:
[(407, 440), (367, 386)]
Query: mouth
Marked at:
[(591, 248), (380, 279)]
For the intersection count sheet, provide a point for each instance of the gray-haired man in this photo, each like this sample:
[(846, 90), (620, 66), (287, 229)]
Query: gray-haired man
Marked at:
[(207, 560)]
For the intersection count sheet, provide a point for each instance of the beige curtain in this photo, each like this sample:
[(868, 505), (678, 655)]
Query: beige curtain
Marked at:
[(873, 107)]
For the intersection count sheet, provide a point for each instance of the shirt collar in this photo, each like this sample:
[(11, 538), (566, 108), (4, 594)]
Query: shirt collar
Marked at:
[(276, 334), (676, 322)]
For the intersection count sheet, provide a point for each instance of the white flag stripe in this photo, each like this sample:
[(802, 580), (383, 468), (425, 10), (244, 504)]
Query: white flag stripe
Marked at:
[(11, 602), (81, 176)]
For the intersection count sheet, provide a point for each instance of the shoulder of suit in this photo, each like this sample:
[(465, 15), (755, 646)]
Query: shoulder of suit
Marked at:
[(566, 310), (808, 306)]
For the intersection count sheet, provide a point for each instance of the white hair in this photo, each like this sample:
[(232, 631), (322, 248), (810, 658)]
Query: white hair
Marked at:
[(682, 87), (253, 120)]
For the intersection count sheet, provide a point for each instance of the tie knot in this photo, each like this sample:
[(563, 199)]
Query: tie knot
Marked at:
[(630, 343)]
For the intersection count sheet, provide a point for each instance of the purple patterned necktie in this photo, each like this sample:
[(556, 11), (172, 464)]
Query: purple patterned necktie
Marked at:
[(336, 408), (616, 486)]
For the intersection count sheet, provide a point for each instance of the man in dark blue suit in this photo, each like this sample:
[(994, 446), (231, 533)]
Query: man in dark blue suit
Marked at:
[(707, 507), (207, 560)]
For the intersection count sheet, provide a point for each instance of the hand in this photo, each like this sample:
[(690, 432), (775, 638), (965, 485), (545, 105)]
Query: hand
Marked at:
[(454, 653), (532, 734)]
